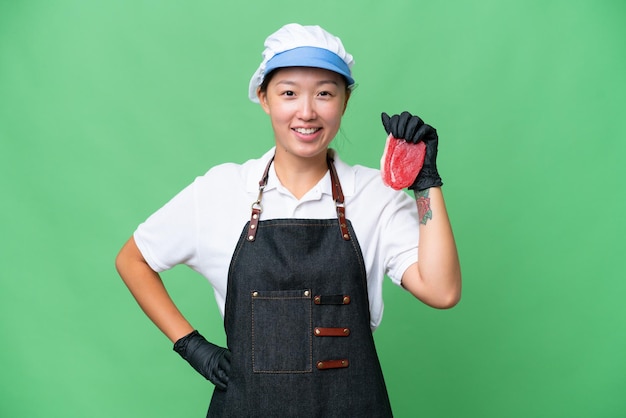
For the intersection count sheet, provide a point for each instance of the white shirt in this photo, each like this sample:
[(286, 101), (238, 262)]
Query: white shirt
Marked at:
[(201, 225)]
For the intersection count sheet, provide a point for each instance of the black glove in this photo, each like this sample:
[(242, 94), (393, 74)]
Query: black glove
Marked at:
[(413, 129), (208, 359)]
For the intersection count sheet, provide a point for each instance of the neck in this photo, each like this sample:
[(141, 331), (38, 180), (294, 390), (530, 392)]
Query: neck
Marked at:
[(299, 175)]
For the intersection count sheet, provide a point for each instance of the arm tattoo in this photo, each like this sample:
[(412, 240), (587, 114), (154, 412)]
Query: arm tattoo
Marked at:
[(423, 206)]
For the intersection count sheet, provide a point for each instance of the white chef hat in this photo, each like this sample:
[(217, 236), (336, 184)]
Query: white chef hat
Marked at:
[(295, 45)]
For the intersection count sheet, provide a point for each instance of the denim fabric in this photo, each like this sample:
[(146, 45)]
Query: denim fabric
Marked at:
[(270, 317), (281, 318)]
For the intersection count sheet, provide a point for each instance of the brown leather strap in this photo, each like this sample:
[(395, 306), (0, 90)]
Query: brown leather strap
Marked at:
[(331, 332), (254, 222), (332, 364), (331, 300), (338, 197), (256, 206)]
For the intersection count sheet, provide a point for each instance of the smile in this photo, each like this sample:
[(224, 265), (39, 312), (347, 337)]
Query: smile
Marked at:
[(306, 131)]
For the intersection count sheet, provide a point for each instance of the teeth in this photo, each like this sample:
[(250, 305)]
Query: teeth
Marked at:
[(306, 131)]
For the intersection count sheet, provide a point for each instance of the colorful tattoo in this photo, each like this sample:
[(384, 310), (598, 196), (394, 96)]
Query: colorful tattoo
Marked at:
[(423, 206)]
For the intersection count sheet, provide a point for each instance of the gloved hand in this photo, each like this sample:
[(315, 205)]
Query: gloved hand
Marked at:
[(210, 360), (413, 129)]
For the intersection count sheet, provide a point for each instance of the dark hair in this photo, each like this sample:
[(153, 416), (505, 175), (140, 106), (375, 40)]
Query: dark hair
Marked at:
[(266, 80)]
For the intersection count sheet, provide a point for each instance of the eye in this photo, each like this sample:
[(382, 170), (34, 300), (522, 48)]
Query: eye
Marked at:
[(288, 93)]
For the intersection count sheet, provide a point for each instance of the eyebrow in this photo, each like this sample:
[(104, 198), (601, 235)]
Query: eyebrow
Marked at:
[(319, 83)]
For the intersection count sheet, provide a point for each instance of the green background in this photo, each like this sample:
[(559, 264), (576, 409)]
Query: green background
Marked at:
[(108, 108)]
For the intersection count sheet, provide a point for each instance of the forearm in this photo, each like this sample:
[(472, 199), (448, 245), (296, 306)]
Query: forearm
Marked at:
[(148, 290), (436, 278)]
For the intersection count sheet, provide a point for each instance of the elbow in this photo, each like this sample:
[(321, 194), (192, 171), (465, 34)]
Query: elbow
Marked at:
[(444, 297), (448, 300), (441, 290), (125, 257), (440, 299), (119, 263), (452, 296)]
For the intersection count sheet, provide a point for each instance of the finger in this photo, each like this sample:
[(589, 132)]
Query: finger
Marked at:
[(425, 133), (393, 126), (411, 129), (224, 365), (220, 384), (386, 120), (221, 379), (222, 376), (403, 121), (431, 134)]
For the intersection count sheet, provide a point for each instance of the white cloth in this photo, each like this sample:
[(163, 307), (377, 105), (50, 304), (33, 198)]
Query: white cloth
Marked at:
[(201, 225)]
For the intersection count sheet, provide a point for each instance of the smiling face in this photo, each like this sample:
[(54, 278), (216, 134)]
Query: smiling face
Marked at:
[(305, 106)]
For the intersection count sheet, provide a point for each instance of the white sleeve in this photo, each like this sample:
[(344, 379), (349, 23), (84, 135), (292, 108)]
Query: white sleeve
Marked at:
[(400, 236), (168, 237)]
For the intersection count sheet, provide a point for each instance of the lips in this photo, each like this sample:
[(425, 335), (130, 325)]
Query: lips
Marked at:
[(306, 131)]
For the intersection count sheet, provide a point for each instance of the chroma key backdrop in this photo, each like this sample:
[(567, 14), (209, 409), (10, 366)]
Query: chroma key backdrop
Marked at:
[(109, 108)]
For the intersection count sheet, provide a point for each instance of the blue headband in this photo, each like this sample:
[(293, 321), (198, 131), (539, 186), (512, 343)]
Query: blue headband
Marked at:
[(309, 56)]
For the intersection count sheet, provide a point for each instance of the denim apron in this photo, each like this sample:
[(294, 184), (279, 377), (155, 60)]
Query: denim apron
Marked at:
[(297, 321)]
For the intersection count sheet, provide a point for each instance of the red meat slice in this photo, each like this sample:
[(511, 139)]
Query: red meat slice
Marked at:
[(401, 162)]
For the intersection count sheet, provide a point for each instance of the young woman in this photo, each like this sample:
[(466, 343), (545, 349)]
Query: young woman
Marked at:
[(296, 245)]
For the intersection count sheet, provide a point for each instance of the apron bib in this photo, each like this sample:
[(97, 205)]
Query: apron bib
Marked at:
[(297, 322)]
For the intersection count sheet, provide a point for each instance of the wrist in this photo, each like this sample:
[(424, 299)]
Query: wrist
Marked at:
[(180, 346), (425, 180)]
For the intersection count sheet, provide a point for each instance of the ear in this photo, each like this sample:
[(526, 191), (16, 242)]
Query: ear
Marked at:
[(345, 103), (262, 96)]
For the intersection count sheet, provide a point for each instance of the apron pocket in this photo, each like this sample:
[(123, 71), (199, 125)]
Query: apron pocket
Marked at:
[(281, 331)]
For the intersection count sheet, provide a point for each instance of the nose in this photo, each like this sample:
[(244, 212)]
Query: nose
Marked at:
[(306, 110)]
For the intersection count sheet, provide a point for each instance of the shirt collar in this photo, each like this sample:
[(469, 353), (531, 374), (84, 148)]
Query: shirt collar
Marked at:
[(344, 172)]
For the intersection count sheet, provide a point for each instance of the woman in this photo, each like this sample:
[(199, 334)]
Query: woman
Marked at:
[(298, 275)]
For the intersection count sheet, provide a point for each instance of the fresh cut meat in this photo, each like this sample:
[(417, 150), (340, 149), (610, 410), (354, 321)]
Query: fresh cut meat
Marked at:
[(401, 162)]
